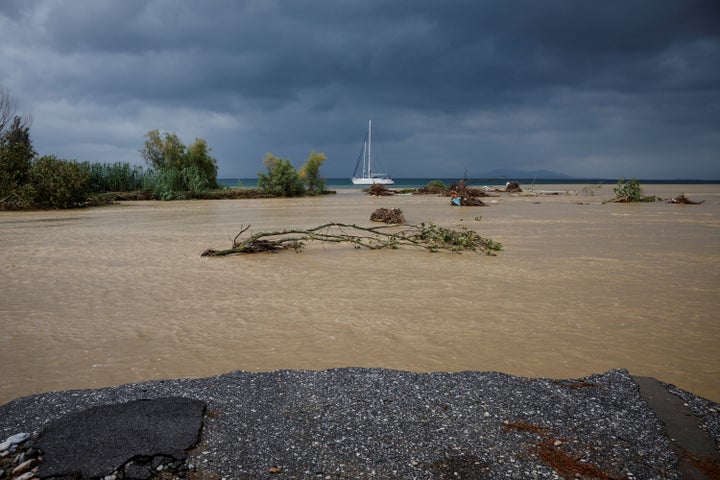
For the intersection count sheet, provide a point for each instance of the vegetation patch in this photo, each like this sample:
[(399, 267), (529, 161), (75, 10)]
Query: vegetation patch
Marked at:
[(425, 236), (630, 192)]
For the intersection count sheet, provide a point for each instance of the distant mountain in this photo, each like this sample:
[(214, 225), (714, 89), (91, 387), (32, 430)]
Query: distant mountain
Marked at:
[(511, 173)]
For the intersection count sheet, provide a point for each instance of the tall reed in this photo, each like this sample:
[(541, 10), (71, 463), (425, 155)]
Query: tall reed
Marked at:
[(115, 177)]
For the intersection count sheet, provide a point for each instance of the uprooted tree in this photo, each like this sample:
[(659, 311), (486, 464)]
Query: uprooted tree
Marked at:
[(631, 192), (425, 236)]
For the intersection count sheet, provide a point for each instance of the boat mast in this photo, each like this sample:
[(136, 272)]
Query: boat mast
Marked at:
[(369, 150), (364, 157)]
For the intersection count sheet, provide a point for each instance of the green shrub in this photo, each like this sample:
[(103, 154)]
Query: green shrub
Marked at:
[(15, 162), (193, 164), (631, 192), (310, 173), (281, 179), (59, 183), (165, 184)]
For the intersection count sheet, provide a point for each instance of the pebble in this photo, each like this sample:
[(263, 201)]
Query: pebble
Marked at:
[(24, 467), (13, 440), (18, 458)]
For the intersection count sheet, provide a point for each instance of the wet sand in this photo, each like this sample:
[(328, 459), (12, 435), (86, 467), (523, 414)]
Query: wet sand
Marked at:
[(104, 296)]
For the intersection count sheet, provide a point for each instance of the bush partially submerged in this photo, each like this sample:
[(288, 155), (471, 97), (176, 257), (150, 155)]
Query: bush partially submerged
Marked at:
[(631, 192)]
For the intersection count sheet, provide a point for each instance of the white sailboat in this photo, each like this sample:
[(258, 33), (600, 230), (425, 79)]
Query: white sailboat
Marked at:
[(367, 176)]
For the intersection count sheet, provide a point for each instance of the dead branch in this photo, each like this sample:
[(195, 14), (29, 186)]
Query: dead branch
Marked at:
[(425, 236), (235, 242)]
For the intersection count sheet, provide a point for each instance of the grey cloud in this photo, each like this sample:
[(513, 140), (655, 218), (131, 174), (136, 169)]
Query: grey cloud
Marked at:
[(473, 85)]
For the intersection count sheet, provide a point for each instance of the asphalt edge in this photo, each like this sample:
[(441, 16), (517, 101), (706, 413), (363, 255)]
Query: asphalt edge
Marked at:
[(698, 454)]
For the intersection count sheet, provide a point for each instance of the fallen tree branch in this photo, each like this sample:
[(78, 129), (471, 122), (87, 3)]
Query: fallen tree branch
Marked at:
[(426, 236)]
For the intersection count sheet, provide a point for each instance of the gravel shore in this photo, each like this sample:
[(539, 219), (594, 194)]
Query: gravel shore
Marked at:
[(376, 423)]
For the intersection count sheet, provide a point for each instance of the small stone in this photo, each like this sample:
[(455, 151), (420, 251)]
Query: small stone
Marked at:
[(137, 472), (274, 470), (157, 461), (557, 443), (25, 476), (23, 467), (13, 440)]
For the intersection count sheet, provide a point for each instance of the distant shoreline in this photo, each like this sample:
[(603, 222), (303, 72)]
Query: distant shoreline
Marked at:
[(401, 182)]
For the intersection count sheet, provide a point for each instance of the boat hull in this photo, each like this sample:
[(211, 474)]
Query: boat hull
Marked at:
[(372, 181)]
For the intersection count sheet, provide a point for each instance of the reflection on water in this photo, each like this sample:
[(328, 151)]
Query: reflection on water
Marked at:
[(113, 295)]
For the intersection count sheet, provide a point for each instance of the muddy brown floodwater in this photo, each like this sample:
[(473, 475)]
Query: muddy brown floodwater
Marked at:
[(103, 296)]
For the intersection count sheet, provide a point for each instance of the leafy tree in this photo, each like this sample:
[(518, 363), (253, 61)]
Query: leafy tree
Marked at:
[(178, 168), (163, 152), (15, 164), (281, 179), (198, 155), (310, 173), (59, 183), (16, 150)]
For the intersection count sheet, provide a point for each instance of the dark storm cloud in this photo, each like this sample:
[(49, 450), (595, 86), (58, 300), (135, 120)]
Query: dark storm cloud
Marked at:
[(585, 88)]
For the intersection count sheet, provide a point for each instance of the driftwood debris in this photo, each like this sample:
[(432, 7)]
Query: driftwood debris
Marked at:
[(462, 189), (466, 201), (513, 187), (379, 190), (388, 215), (466, 197), (425, 236), (682, 199)]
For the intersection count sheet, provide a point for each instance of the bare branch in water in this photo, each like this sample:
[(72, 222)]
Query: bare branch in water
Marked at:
[(426, 236)]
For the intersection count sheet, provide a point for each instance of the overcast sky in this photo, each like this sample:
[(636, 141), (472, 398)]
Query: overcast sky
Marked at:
[(586, 88)]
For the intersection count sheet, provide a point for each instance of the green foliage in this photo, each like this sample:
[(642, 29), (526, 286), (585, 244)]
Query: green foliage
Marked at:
[(198, 157), (15, 163), (281, 179), (16, 154), (174, 184), (163, 184), (163, 152), (436, 184), (178, 171), (114, 177), (438, 237), (59, 183), (631, 192), (310, 173)]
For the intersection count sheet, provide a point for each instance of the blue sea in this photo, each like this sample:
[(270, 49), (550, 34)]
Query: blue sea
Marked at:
[(344, 183)]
